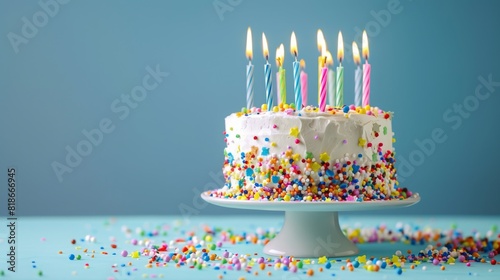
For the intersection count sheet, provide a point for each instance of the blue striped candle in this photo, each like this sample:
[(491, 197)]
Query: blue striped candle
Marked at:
[(330, 80), (268, 81), (357, 75), (296, 85), (296, 72), (249, 86), (339, 94), (357, 86), (331, 87)]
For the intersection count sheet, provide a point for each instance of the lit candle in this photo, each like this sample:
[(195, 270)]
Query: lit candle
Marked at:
[(303, 82), (323, 79), (268, 81), (366, 71), (357, 75), (278, 82), (296, 72), (278, 86), (280, 58), (339, 97), (321, 59), (249, 70), (330, 80)]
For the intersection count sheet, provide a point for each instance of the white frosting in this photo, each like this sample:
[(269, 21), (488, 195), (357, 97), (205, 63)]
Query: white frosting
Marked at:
[(337, 135)]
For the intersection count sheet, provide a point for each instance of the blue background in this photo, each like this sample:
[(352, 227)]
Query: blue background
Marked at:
[(425, 58)]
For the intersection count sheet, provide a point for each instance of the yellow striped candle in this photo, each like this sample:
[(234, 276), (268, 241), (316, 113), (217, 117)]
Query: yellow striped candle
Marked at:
[(280, 58)]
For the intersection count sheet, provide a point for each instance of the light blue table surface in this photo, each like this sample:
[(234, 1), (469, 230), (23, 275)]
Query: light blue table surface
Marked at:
[(39, 240)]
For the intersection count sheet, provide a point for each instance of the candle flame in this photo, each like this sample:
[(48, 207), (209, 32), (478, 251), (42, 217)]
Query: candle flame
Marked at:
[(265, 50), (329, 58), (280, 55), (355, 53), (324, 54), (302, 64), (366, 50), (249, 44), (321, 41), (293, 45), (282, 52), (340, 47), (278, 58)]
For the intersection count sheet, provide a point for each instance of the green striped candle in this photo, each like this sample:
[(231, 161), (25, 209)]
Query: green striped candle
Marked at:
[(339, 96)]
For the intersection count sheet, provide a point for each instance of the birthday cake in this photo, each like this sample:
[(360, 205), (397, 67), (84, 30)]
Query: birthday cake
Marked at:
[(324, 153), (342, 154)]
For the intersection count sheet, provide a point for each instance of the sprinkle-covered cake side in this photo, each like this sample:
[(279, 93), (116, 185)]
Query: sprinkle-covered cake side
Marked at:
[(287, 155)]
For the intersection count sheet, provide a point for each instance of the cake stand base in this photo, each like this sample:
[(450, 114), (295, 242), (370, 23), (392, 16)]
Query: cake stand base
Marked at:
[(311, 229), (311, 234)]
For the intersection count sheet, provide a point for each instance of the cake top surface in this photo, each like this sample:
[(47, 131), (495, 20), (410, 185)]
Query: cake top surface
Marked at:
[(313, 111)]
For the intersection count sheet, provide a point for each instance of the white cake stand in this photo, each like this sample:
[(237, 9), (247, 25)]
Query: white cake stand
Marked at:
[(311, 229)]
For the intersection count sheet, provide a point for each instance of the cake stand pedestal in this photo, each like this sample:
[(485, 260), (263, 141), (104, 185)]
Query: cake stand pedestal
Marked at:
[(311, 229)]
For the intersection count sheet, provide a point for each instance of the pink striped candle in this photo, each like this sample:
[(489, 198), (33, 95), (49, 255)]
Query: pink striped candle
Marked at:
[(366, 71), (249, 70), (366, 83), (303, 82), (321, 58), (322, 96)]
